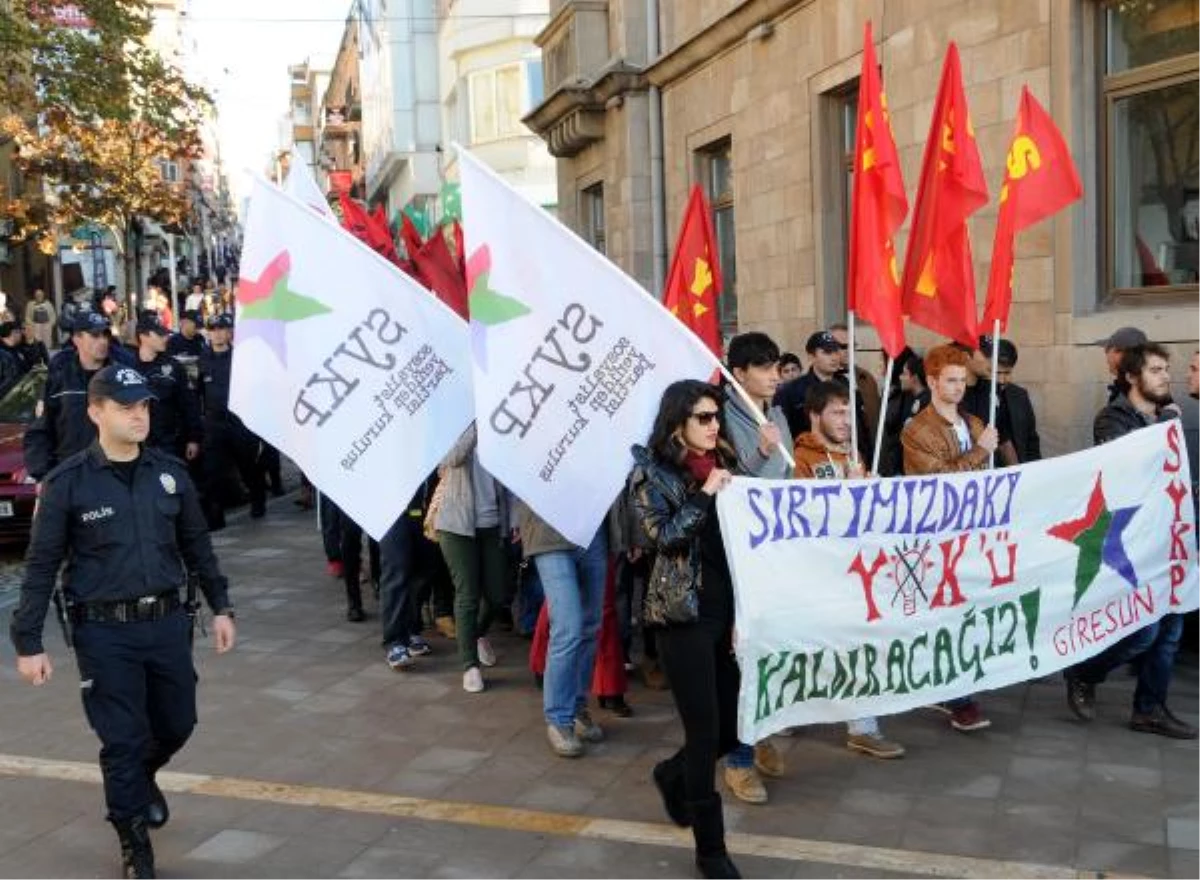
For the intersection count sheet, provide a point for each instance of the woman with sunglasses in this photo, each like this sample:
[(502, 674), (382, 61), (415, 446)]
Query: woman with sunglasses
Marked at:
[(690, 595)]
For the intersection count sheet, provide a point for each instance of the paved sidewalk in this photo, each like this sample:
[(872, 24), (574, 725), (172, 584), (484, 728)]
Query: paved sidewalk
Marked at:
[(313, 759)]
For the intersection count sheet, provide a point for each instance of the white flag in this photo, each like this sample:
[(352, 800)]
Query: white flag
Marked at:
[(302, 187), (571, 356), (343, 362)]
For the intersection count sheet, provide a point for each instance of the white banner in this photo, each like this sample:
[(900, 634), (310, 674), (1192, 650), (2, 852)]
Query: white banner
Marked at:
[(869, 597), (571, 356), (302, 186), (343, 362)]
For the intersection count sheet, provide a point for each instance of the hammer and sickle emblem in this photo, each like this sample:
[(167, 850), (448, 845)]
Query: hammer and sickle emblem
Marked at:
[(1023, 157)]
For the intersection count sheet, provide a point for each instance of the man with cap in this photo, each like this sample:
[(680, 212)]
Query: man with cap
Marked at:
[(227, 441), (188, 342), (825, 365), (60, 427), (125, 519), (1014, 399), (1114, 346), (32, 350), (175, 426), (12, 365)]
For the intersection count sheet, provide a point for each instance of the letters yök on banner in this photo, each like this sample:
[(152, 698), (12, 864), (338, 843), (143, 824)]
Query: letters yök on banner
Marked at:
[(870, 597), (571, 356), (343, 362)]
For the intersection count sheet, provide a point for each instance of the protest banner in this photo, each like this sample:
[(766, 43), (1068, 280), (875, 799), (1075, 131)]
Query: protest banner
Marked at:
[(343, 362), (870, 597), (571, 356)]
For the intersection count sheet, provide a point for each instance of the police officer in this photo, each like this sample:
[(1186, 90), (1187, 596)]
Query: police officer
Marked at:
[(125, 518), (175, 426), (226, 439), (32, 350), (12, 365), (188, 342), (61, 427)]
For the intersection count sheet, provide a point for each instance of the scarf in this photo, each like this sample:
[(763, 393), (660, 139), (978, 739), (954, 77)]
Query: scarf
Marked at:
[(700, 465)]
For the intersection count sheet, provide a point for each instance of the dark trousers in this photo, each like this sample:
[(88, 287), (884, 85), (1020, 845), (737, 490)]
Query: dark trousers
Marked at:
[(139, 693), (1154, 647), (352, 536), (226, 445), (477, 566), (331, 529), (399, 577), (698, 659), (272, 468)]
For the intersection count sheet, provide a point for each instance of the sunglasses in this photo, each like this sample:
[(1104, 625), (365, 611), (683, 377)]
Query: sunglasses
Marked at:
[(707, 417)]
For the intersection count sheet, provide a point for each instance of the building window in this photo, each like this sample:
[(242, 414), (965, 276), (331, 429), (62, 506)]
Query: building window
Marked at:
[(591, 216), (839, 119), (498, 101), (716, 177), (1151, 101)]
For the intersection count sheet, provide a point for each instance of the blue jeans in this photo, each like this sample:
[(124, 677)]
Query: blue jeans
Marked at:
[(397, 578), (1155, 646), (573, 581)]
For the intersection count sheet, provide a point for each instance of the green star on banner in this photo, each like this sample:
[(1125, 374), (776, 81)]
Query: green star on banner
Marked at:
[(451, 199)]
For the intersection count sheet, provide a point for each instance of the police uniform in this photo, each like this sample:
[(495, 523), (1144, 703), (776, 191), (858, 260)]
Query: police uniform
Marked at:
[(125, 531), (61, 426), (181, 346), (175, 411), (12, 365), (227, 441)]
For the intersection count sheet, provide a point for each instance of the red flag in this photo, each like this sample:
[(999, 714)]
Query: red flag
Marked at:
[(366, 228), (1040, 180), (442, 273), (410, 236), (694, 281), (938, 288), (877, 209)]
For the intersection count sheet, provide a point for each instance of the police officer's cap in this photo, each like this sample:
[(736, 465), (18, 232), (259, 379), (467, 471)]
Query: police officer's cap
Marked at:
[(125, 385), (190, 315), (149, 322), (89, 322), (221, 322)]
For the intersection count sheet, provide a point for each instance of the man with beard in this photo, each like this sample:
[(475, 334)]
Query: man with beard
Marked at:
[(1143, 384)]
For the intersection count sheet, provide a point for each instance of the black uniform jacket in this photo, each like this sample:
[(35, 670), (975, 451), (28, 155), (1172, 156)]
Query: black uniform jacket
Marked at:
[(119, 541), (62, 426), (175, 415)]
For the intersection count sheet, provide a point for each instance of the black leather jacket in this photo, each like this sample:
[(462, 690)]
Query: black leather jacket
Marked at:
[(672, 511)]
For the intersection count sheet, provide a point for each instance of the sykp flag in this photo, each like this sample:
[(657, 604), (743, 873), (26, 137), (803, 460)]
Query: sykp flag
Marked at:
[(302, 186), (571, 356), (343, 362)]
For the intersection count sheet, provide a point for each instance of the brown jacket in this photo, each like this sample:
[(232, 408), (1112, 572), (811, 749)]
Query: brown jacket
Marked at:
[(931, 446), (815, 461)]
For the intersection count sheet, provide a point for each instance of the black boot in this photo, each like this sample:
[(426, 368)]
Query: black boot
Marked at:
[(354, 609), (668, 778), (137, 856), (708, 829), (157, 812)]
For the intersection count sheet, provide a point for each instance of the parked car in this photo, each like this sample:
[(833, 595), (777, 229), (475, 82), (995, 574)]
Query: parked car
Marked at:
[(18, 492)]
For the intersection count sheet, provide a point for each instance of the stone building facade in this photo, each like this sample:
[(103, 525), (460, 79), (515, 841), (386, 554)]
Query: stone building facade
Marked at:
[(758, 102)]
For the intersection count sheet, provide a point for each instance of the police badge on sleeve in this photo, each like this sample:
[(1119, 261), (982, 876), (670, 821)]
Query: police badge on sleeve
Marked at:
[(168, 483)]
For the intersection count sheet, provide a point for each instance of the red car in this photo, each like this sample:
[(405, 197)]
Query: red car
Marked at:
[(17, 489)]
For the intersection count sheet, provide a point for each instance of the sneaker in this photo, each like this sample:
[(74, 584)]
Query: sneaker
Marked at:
[(487, 656), (767, 759), (587, 729), (564, 741), (1162, 722), (399, 658), (875, 745), (473, 681), (333, 569), (445, 626), (355, 614), (1081, 698), (746, 785), (418, 647), (968, 718)]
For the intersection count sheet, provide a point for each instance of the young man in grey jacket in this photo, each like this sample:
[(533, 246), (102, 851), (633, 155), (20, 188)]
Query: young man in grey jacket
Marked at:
[(753, 359)]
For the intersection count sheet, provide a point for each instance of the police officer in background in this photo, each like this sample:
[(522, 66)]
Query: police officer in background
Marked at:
[(227, 441), (61, 427), (12, 365), (175, 426), (125, 519), (187, 342)]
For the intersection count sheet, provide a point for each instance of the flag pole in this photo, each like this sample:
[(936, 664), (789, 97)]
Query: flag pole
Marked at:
[(756, 410), (883, 405), (995, 390), (853, 378)]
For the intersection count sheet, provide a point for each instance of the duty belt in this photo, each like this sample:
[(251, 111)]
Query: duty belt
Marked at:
[(144, 608)]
